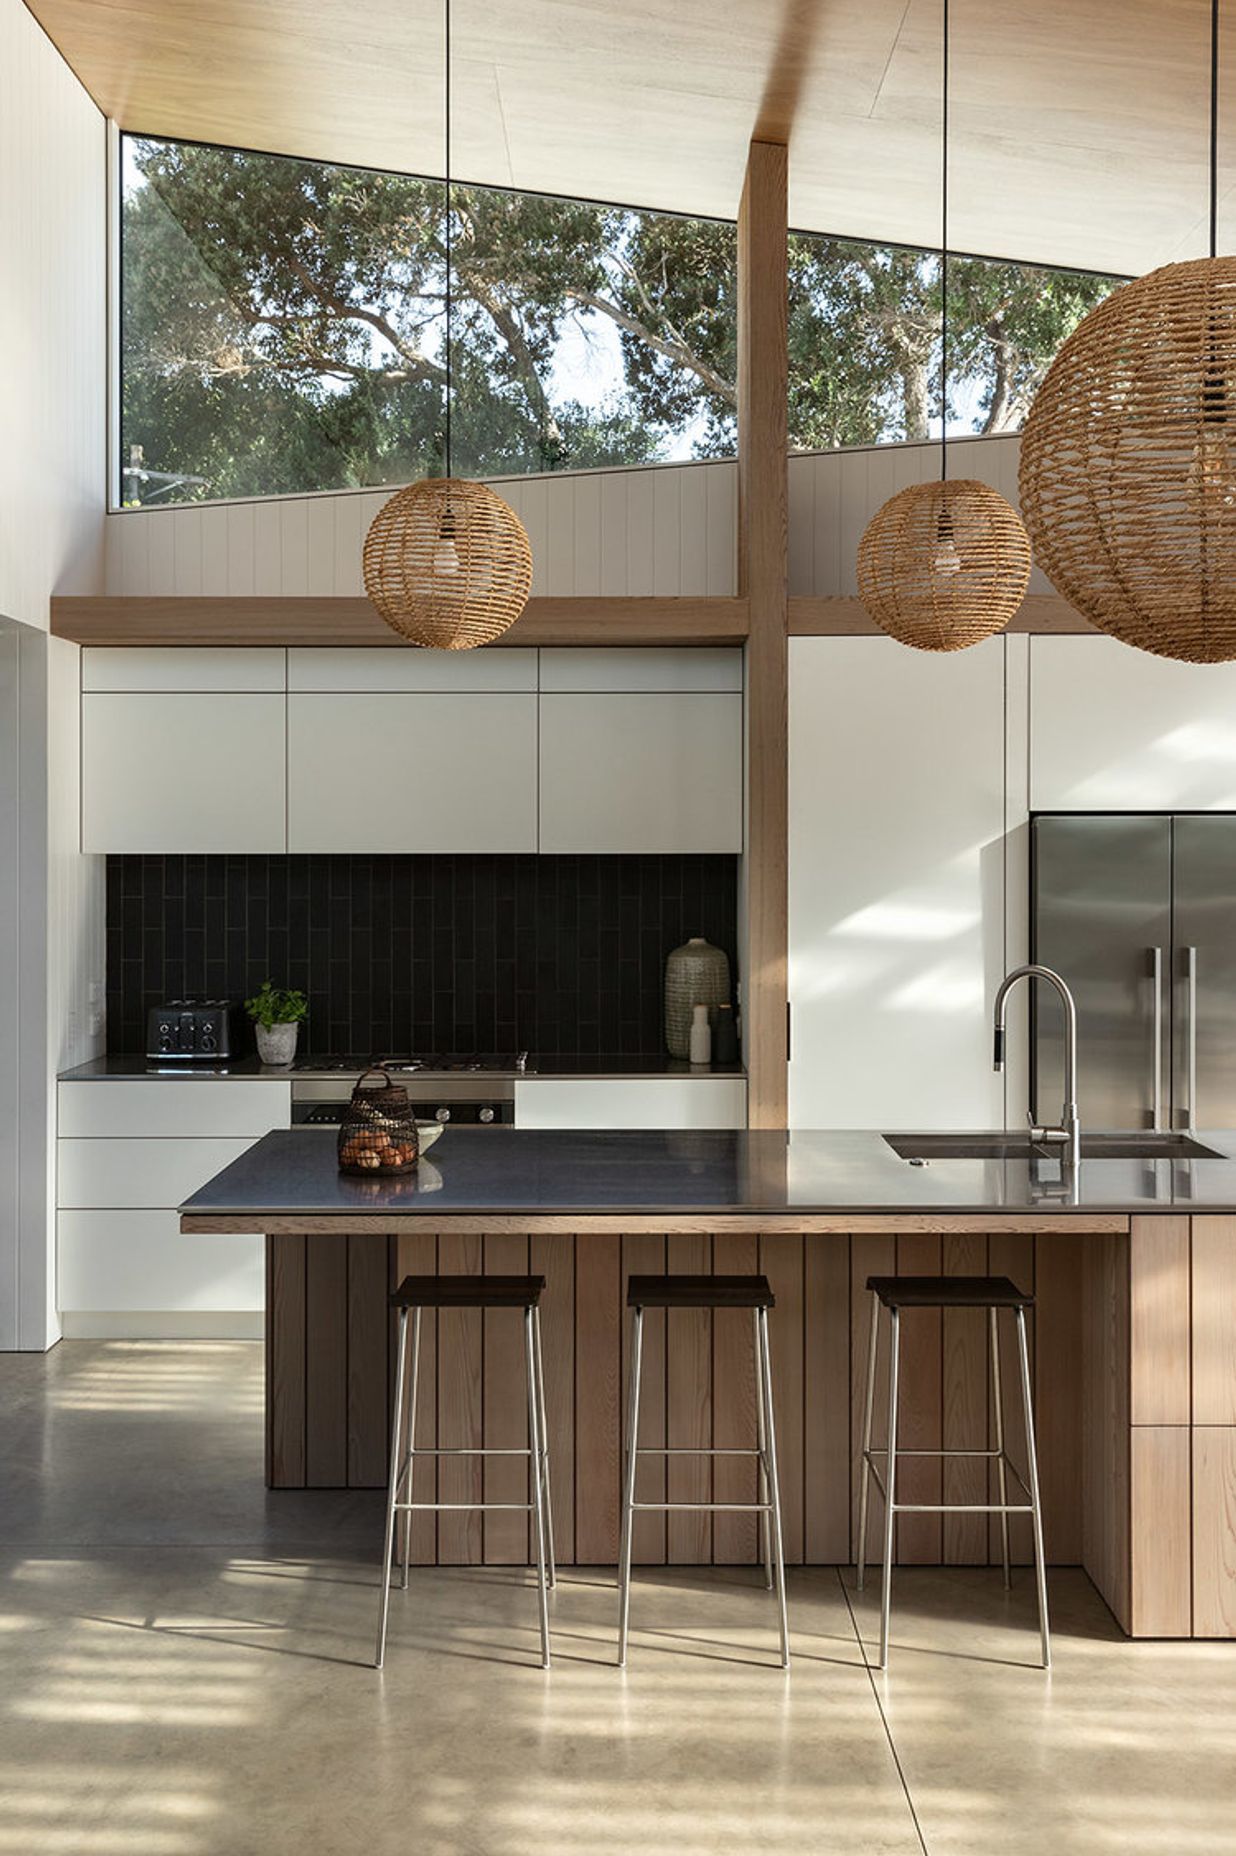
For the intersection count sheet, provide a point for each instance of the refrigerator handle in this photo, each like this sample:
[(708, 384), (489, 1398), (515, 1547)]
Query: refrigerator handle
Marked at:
[(1156, 972), (1191, 1059)]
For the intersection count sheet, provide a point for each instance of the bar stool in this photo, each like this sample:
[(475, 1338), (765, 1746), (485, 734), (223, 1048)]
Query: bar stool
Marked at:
[(751, 1292), (992, 1293), (414, 1294)]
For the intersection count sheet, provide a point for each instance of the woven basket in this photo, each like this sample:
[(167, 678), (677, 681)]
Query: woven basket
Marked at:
[(447, 564), (943, 565), (378, 1132), (1128, 464)]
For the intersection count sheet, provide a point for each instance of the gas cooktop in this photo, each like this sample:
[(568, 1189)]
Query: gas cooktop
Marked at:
[(410, 1065)]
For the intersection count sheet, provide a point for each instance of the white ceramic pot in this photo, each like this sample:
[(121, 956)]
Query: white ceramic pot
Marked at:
[(277, 1043)]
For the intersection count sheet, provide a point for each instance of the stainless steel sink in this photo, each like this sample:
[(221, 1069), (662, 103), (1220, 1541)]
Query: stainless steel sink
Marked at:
[(1012, 1146)]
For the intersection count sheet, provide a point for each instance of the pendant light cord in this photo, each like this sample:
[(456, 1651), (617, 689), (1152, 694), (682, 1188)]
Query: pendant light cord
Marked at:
[(1214, 126), (944, 250), (447, 129)]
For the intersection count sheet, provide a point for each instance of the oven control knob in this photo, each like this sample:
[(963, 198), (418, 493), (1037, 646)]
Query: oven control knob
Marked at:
[(486, 1115), (442, 1114)]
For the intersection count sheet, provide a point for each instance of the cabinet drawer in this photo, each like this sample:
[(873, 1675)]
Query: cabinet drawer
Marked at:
[(181, 668), (649, 772), (152, 1174), (135, 1260), (184, 1106), (183, 773), (385, 672), (412, 773), (615, 1102), (616, 672)]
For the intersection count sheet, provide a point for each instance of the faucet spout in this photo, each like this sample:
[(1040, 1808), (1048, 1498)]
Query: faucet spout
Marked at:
[(1069, 1130)]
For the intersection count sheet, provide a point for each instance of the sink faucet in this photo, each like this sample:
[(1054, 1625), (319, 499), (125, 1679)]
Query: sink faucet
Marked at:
[(1069, 1131)]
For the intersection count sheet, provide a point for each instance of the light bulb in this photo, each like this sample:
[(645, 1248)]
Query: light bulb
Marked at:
[(445, 556), (1212, 472), (946, 559)]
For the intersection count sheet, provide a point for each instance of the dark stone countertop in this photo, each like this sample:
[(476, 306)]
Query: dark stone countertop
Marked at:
[(493, 1171), (544, 1069)]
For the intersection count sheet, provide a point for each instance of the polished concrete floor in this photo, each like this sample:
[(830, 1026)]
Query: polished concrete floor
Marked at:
[(185, 1673)]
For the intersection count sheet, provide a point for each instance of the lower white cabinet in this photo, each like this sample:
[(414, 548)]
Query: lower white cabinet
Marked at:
[(183, 771), (647, 771), (412, 772), (120, 1263), (631, 1102)]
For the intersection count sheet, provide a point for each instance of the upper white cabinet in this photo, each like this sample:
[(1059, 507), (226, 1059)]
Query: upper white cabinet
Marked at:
[(646, 771), (408, 772), (183, 771), (1114, 729)]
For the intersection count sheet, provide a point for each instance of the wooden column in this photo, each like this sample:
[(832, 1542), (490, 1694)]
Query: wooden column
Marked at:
[(763, 580)]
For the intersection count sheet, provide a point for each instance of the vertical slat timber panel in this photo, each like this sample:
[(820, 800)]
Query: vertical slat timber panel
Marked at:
[(598, 1378), (688, 1406), (964, 1414), (734, 1536), (1058, 1391), (416, 1254), (781, 1259), (285, 1362), (460, 1344), (1012, 1255), (1160, 1475), (869, 1256), (326, 1357), (826, 1396), (1159, 1318), (505, 1410), (918, 1417), (644, 1255), (368, 1325), (1105, 1406), (1214, 1321), (554, 1258), (1214, 1530)]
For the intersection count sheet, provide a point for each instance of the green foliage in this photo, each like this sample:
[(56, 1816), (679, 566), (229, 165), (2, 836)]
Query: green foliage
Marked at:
[(275, 1006), (284, 330)]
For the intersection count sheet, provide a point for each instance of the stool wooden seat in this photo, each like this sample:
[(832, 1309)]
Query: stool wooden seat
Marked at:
[(993, 1293), (468, 1292), (411, 1298), (700, 1292), (948, 1292), (738, 1292)]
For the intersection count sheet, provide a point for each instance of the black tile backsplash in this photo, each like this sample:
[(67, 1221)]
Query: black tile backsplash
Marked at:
[(555, 955)]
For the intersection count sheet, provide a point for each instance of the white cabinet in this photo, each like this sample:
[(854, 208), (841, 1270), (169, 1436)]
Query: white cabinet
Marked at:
[(188, 1107), (385, 671), (647, 771), (183, 771), (412, 772), (660, 668), (631, 1102), (897, 883), (184, 668), (1114, 729)]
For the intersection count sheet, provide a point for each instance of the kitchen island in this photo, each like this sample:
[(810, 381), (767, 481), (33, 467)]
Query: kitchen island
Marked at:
[(1132, 1263)]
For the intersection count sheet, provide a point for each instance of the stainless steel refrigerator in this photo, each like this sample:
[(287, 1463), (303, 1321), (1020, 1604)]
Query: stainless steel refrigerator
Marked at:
[(1138, 913)]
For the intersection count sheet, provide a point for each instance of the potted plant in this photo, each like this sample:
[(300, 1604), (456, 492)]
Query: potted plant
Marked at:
[(276, 1016)]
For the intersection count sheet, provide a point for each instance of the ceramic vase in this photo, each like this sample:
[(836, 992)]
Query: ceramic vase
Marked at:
[(277, 1043), (695, 974)]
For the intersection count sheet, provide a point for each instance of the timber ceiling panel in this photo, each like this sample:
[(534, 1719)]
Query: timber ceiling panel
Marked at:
[(1079, 126)]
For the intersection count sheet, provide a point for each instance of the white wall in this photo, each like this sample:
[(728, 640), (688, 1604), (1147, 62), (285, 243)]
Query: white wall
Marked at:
[(52, 497)]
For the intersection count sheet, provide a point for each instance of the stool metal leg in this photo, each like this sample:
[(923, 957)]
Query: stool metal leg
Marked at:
[(1001, 1471), (890, 1478), (770, 1427), (762, 1444), (543, 1466), (534, 1465), (628, 1499), (1036, 1515), (410, 1442), (864, 1479), (388, 1549)]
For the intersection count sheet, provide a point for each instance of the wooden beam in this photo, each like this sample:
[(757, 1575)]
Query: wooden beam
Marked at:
[(122, 620), (844, 616), (763, 579)]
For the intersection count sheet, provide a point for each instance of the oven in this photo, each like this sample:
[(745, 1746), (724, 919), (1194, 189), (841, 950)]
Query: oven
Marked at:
[(469, 1101)]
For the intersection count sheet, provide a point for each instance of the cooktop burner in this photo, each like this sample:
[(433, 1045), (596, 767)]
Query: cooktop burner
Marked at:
[(409, 1065)]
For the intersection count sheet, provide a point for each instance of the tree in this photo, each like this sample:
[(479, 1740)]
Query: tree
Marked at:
[(285, 328)]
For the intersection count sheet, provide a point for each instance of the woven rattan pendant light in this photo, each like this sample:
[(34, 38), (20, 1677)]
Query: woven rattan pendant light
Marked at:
[(943, 565), (1128, 458), (447, 562)]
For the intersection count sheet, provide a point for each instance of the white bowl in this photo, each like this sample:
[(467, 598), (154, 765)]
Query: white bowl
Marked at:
[(427, 1133)]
